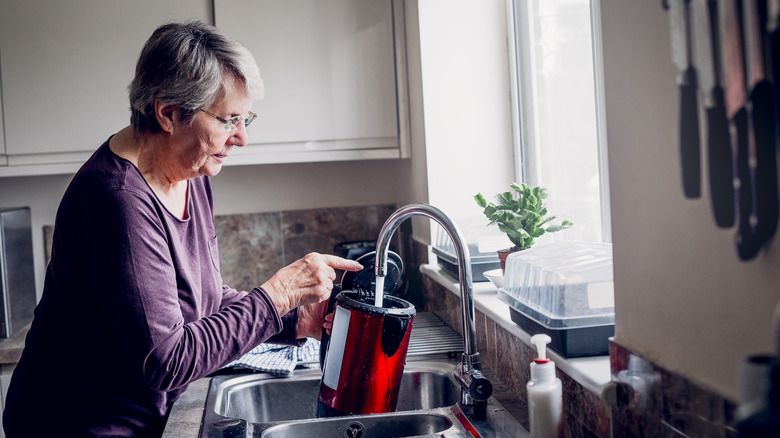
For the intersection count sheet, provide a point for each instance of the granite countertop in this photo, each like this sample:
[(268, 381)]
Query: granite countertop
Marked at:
[(11, 348), (187, 412)]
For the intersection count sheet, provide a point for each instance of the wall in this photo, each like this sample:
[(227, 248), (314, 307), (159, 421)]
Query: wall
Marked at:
[(682, 297), (465, 92), (237, 189)]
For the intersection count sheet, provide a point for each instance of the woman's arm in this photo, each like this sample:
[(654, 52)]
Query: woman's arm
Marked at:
[(171, 330)]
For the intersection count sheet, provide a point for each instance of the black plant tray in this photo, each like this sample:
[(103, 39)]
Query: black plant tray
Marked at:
[(480, 262), (572, 337)]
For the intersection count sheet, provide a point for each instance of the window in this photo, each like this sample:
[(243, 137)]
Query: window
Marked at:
[(556, 75)]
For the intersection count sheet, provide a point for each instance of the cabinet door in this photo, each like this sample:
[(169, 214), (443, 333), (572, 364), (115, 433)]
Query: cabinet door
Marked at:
[(329, 69), (3, 159), (66, 66)]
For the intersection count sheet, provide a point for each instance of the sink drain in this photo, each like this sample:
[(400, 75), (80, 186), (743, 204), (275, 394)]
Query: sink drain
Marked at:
[(354, 430)]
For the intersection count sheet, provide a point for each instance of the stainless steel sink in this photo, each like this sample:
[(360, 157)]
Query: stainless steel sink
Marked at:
[(373, 426), (262, 398), (263, 405)]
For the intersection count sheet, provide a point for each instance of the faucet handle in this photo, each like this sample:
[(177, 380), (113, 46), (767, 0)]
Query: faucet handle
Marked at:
[(475, 384), (472, 381), (480, 387)]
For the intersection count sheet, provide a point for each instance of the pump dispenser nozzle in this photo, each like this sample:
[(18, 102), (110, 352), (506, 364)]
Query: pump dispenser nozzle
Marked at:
[(541, 342), (545, 393)]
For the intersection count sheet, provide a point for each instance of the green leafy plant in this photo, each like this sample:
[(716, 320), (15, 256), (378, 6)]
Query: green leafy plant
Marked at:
[(521, 214)]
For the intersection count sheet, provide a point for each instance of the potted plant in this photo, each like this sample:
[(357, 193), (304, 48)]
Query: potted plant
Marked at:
[(521, 214)]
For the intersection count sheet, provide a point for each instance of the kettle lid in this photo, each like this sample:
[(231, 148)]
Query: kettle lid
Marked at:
[(365, 279)]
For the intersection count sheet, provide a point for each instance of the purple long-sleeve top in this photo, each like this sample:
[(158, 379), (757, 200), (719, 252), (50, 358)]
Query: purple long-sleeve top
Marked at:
[(133, 310)]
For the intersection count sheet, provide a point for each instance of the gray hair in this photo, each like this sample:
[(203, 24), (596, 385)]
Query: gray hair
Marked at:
[(185, 64)]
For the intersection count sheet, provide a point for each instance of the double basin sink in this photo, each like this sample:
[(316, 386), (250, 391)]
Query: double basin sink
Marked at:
[(264, 405)]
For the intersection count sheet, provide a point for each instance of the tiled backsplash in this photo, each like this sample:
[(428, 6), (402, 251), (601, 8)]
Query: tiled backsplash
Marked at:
[(662, 403), (253, 246)]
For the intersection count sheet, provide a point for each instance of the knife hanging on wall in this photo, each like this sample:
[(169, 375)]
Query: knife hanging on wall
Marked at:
[(733, 65), (719, 153), (690, 158), (773, 44), (763, 117)]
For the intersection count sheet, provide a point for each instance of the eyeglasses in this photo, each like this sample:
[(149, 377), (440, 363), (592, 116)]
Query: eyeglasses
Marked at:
[(233, 121)]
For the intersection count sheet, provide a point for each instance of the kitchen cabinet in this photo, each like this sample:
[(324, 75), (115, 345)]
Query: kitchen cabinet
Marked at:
[(65, 68), (334, 75)]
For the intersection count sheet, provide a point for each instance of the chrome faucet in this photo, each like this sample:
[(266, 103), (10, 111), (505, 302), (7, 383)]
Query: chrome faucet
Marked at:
[(475, 388)]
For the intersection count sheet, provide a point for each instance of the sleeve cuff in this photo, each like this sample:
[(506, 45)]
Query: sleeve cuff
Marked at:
[(287, 324)]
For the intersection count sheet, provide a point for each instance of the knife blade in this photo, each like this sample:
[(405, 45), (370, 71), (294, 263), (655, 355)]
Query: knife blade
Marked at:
[(719, 154), (690, 159), (763, 117)]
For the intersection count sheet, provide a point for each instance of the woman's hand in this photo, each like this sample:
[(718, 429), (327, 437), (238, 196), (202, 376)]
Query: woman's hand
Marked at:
[(312, 319), (307, 281), (328, 323)]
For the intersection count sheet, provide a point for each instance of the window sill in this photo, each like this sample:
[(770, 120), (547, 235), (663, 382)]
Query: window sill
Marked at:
[(593, 373)]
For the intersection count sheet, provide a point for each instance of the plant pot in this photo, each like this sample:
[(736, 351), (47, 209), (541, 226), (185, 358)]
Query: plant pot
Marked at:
[(502, 255)]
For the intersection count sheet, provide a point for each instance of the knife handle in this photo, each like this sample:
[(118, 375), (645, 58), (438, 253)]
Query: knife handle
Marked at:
[(690, 158), (720, 161), (764, 118), (774, 56), (747, 244)]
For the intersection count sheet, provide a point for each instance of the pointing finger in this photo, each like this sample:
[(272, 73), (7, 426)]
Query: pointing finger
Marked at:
[(340, 263)]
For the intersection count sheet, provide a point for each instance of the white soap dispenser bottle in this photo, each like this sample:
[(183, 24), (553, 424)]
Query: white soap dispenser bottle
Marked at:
[(545, 393)]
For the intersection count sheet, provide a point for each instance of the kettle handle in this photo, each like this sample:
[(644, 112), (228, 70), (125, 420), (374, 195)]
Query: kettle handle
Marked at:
[(325, 338)]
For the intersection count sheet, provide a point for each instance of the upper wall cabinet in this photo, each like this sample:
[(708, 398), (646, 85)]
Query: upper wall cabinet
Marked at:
[(65, 67), (334, 74)]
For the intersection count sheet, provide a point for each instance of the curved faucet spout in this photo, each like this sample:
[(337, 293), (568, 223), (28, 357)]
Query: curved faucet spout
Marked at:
[(475, 389), (461, 251)]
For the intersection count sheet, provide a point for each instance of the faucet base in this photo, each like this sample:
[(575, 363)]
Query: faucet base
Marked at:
[(477, 411)]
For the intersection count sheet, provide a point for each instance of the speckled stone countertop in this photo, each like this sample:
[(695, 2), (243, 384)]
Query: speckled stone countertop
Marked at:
[(11, 348), (187, 412)]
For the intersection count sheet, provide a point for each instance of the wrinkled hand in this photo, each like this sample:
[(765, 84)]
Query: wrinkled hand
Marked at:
[(306, 283), (311, 320)]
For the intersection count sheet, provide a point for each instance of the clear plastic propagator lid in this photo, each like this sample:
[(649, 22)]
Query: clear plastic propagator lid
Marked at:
[(563, 280), (474, 230)]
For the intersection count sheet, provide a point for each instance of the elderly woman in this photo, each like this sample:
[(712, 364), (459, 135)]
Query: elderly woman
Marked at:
[(133, 306)]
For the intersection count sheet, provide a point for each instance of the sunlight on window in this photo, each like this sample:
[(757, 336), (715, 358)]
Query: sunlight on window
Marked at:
[(559, 139)]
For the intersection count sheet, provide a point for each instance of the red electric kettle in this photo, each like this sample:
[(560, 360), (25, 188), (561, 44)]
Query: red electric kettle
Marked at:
[(363, 359)]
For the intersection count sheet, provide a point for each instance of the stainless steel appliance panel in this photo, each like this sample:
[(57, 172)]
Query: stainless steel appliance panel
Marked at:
[(17, 273)]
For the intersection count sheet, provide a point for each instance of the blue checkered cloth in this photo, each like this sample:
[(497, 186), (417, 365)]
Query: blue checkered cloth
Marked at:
[(279, 359)]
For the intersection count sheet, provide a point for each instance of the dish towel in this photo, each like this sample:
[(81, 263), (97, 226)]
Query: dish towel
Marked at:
[(279, 359)]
